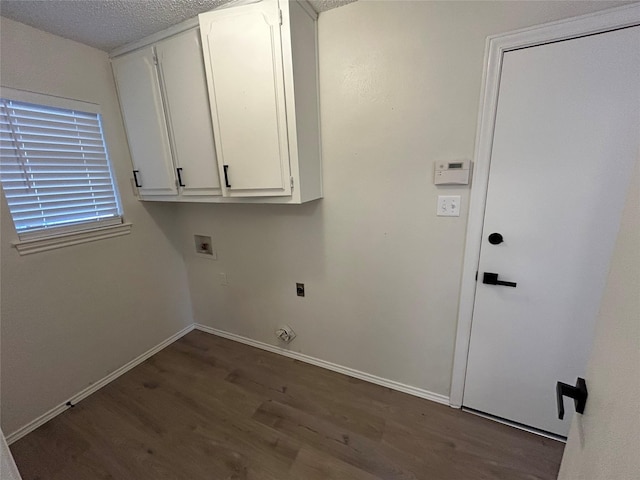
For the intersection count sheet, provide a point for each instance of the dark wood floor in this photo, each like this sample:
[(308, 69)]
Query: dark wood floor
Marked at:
[(210, 408)]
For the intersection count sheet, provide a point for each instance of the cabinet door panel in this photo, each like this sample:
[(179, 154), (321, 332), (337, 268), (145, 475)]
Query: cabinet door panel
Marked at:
[(144, 119), (187, 104), (243, 59)]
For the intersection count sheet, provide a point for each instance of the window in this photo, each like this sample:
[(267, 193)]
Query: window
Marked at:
[(54, 166)]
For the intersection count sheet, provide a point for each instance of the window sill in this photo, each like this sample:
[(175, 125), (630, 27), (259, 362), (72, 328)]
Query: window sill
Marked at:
[(27, 247)]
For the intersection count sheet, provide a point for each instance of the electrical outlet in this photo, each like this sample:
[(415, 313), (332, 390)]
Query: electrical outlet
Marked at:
[(300, 289), (224, 281)]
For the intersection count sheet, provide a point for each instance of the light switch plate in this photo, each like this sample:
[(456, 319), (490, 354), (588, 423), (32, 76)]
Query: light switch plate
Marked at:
[(448, 206)]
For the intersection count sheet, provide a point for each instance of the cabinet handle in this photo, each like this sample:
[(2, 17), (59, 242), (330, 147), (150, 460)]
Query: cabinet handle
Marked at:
[(135, 178), (179, 170), (226, 176)]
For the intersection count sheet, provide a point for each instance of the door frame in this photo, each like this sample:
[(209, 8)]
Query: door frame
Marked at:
[(496, 46)]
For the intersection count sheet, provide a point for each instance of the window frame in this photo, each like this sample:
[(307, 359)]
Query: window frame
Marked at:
[(43, 239)]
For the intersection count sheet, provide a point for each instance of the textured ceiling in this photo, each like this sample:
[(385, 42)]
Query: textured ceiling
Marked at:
[(108, 24)]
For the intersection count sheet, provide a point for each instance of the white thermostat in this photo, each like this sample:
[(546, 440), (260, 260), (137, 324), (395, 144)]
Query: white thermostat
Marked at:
[(455, 172)]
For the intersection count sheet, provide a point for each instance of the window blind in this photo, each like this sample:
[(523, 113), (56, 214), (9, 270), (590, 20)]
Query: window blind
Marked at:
[(55, 170)]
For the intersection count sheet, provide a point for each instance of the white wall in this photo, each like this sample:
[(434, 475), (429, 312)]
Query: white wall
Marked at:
[(73, 315), (400, 86), (603, 443)]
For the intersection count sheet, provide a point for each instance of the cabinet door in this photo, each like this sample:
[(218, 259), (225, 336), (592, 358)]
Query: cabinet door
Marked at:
[(187, 105), (141, 103), (243, 61)]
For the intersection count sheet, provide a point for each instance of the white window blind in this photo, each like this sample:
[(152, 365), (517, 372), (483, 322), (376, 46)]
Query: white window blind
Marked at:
[(55, 169)]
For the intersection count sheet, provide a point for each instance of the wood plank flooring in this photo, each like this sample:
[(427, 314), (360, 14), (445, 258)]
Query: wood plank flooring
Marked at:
[(210, 408)]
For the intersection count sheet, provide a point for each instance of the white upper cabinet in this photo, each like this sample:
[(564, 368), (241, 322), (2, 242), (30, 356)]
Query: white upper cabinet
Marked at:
[(164, 101), (261, 67), (243, 57), (145, 122), (187, 106), (227, 112)]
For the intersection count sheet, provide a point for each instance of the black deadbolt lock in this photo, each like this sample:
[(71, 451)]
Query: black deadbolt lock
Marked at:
[(495, 239)]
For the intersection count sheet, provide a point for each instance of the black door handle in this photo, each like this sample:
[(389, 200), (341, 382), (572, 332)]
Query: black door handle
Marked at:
[(135, 178), (492, 279), (578, 393), (226, 176), (179, 171)]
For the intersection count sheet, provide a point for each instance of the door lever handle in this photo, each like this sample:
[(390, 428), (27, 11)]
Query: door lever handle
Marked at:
[(492, 279), (578, 393)]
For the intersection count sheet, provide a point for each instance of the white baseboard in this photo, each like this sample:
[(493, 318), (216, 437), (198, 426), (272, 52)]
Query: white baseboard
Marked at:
[(367, 377), (44, 418)]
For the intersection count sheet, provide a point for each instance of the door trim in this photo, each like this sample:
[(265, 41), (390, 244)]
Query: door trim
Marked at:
[(496, 46)]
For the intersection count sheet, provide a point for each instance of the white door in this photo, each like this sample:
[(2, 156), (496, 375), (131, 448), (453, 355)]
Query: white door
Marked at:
[(187, 103), (243, 59), (145, 122), (565, 140)]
